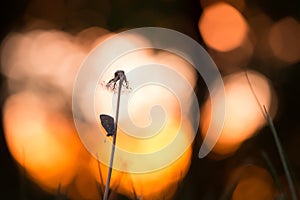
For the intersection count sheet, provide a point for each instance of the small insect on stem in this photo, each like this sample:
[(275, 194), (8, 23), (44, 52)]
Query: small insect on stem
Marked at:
[(108, 124)]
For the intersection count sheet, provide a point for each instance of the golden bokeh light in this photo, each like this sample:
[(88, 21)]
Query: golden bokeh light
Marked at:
[(52, 56), (284, 40), (41, 67), (41, 139), (155, 94), (161, 183), (139, 110), (192, 79), (222, 27), (243, 115), (85, 185), (252, 182), (90, 37), (151, 185)]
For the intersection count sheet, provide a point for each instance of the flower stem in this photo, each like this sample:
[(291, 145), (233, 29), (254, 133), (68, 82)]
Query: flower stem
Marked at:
[(105, 197)]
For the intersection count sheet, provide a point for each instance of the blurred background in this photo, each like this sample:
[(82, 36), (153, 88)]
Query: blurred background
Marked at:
[(43, 43)]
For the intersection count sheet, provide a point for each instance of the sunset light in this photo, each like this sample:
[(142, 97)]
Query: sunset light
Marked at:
[(243, 112), (43, 141), (149, 100), (222, 26)]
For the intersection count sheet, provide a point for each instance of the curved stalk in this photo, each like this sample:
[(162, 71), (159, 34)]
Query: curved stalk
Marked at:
[(105, 197)]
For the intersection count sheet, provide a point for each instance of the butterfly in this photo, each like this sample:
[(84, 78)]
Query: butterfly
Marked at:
[(108, 124)]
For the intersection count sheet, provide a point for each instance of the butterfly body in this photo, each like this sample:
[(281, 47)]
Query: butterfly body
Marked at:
[(108, 124)]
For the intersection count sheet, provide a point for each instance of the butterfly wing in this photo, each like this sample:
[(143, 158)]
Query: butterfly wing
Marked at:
[(108, 124)]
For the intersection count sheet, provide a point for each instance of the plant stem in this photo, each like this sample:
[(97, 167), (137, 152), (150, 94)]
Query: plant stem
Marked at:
[(105, 197), (281, 154), (277, 141)]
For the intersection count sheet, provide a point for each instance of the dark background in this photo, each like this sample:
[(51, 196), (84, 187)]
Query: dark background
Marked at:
[(129, 14)]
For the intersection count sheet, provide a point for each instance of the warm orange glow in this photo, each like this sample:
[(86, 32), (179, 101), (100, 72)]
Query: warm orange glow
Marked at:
[(156, 95), (90, 37), (222, 27), (50, 55), (284, 40), (253, 188), (153, 185), (41, 66), (243, 115), (41, 136), (84, 185), (160, 183), (253, 182), (41, 139), (139, 109)]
